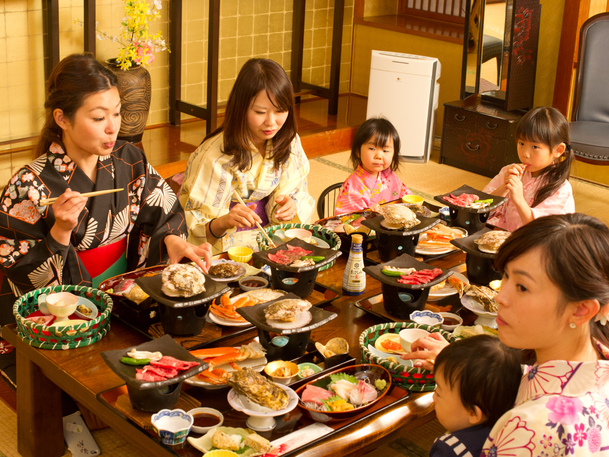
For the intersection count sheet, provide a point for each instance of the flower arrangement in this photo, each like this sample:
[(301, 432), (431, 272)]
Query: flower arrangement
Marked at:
[(137, 44)]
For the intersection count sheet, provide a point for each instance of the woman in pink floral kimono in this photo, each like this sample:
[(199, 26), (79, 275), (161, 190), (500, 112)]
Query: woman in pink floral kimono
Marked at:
[(79, 240), (554, 299)]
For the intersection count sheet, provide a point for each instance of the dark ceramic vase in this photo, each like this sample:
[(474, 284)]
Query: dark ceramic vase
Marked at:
[(135, 88)]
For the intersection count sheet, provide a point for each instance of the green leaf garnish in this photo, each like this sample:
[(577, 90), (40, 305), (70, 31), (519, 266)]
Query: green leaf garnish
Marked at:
[(347, 377)]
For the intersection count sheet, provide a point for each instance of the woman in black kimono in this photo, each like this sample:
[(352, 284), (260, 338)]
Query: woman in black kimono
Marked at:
[(80, 240)]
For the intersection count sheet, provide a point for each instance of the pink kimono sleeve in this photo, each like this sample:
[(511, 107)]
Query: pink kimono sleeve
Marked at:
[(560, 202), (495, 182), (353, 196)]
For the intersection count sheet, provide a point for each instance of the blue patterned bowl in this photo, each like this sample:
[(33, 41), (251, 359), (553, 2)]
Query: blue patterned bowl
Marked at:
[(426, 317), (172, 426)]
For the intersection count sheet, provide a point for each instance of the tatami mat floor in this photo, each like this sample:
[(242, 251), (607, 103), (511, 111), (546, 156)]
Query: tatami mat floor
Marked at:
[(426, 180)]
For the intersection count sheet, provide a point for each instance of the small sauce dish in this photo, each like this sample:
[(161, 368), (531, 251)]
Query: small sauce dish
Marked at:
[(204, 419), (248, 283), (451, 321), (427, 318), (288, 370)]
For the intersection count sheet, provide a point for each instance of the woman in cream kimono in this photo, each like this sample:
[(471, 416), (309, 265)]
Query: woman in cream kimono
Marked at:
[(255, 153)]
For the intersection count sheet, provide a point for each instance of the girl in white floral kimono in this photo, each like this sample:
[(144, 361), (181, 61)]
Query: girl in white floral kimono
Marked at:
[(77, 240), (554, 299)]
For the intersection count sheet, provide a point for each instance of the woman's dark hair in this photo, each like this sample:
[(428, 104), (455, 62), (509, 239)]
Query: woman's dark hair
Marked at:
[(547, 125), (257, 75), (575, 253), (379, 130), (72, 80), (487, 372)]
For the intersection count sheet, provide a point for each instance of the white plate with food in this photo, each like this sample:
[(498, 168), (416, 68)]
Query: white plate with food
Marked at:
[(86, 309), (220, 314), (485, 318), (319, 243), (388, 356), (255, 364), (448, 288), (227, 322), (223, 270), (436, 241)]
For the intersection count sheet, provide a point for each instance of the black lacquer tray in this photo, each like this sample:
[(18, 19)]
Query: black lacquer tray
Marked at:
[(328, 254), (152, 286), (255, 315), (479, 264), (425, 224), (405, 261)]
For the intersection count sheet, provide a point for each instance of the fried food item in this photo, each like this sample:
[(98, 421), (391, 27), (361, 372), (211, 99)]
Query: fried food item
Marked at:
[(221, 440), (137, 295), (491, 241), (258, 389), (258, 443), (286, 310), (182, 280)]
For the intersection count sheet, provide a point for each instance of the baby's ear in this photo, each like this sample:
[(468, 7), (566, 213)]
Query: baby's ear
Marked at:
[(477, 416)]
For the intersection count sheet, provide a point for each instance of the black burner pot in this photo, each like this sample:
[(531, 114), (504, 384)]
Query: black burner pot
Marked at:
[(480, 268)]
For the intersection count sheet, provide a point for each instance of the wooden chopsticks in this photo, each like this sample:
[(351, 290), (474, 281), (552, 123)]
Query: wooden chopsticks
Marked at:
[(257, 224), (50, 201)]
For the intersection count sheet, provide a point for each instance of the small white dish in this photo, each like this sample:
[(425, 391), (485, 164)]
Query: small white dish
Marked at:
[(208, 412), (84, 302), (61, 305), (409, 336), (427, 317), (385, 355), (485, 318)]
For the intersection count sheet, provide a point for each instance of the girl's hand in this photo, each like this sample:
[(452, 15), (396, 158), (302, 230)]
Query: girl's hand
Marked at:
[(515, 169), (239, 216), (67, 209), (426, 350), (177, 249), (287, 208), (515, 189)]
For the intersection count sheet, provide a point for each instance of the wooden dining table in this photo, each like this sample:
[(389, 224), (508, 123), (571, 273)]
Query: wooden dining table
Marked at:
[(83, 374)]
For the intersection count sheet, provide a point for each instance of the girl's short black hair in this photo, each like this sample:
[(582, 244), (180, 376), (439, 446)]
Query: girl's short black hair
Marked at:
[(486, 371), (380, 130)]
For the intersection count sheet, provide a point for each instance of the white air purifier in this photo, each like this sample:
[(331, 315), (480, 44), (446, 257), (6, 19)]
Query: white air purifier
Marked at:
[(404, 89)]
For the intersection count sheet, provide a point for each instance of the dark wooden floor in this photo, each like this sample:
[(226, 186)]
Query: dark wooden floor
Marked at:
[(320, 132)]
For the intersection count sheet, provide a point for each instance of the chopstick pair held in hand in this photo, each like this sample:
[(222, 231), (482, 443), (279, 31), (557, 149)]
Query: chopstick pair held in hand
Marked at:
[(50, 201), (240, 200)]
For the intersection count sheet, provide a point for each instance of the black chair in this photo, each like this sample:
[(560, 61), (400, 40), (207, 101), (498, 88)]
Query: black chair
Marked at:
[(327, 200), (589, 127)]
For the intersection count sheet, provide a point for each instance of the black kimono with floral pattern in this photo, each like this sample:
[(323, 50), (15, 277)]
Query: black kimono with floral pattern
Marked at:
[(147, 210)]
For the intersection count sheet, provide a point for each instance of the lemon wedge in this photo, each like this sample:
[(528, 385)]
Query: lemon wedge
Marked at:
[(349, 229)]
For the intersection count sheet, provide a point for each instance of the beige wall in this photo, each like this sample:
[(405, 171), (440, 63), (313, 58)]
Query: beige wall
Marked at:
[(248, 28)]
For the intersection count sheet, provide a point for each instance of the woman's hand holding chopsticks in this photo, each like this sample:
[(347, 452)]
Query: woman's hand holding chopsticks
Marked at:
[(67, 209)]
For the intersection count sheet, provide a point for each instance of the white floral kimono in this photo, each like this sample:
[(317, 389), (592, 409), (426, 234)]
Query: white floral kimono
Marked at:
[(209, 182), (562, 409)]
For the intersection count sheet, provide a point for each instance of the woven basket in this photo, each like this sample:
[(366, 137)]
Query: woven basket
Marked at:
[(68, 336), (324, 234), (409, 378)]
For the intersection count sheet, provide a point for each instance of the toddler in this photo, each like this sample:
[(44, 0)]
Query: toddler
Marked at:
[(539, 185), (477, 380), (375, 156)]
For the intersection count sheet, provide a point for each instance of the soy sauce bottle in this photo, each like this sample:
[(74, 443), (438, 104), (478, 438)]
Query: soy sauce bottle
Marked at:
[(354, 278)]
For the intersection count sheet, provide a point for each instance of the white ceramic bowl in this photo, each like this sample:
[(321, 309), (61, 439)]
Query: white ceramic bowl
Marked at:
[(427, 317), (448, 319), (61, 304), (207, 411), (172, 426), (409, 336), (271, 367)]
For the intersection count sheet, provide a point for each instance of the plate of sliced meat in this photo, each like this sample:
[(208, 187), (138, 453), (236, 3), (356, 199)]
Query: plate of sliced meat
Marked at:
[(470, 199), (297, 255), (161, 361)]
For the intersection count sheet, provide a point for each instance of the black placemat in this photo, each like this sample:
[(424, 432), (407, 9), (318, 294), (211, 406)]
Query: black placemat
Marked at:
[(152, 286), (255, 315), (405, 261), (425, 224), (468, 244), (465, 189), (166, 345), (328, 254)]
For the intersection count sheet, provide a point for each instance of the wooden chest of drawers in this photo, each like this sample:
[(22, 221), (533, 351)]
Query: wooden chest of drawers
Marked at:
[(478, 136)]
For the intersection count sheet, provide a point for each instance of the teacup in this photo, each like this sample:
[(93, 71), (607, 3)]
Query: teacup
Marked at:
[(299, 233), (409, 336)]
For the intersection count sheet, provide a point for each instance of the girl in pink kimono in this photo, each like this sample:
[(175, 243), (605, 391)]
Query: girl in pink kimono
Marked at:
[(375, 156), (539, 185), (554, 301)]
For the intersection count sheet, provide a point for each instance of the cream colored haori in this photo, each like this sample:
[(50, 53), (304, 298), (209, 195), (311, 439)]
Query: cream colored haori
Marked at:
[(207, 193)]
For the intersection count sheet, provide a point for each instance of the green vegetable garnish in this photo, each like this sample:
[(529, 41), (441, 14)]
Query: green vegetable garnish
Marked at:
[(338, 376), (380, 384), (315, 258), (132, 361)]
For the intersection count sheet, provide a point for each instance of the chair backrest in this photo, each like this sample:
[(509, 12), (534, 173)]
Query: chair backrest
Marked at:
[(591, 101), (327, 200)]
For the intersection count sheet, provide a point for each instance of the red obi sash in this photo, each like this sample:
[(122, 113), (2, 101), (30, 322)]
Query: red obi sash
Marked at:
[(106, 261)]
